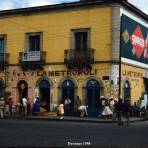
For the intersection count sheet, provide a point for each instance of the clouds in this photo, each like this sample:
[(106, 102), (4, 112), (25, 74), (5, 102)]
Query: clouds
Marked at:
[(12, 4), (6, 4), (141, 4)]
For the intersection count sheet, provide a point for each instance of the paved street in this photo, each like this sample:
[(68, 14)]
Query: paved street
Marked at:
[(51, 133)]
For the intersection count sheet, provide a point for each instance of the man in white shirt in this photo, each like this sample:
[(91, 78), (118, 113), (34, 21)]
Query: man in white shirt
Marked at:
[(67, 108), (2, 106), (25, 106)]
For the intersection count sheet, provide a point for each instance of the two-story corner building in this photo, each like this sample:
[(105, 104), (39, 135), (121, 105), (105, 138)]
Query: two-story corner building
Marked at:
[(73, 49)]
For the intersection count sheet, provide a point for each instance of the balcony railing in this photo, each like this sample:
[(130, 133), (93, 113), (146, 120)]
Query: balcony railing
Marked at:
[(32, 59), (4, 59), (79, 58)]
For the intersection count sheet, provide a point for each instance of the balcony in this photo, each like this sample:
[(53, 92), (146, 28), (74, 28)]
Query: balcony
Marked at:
[(32, 59), (79, 58), (4, 60)]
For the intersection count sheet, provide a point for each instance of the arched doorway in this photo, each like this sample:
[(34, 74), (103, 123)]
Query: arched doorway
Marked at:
[(93, 97), (127, 90), (44, 91), (22, 87), (1, 88), (68, 91)]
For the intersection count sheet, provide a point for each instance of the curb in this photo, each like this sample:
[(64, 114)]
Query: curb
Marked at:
[(75, 120)]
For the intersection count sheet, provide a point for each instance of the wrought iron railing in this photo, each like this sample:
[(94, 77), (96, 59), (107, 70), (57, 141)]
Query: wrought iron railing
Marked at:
[(79, 57), (32, 59), (4, 59)]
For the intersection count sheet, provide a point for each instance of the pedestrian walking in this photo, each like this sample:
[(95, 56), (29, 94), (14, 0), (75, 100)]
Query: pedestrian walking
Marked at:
[(112, 107), (37, 106), (142, 106), (2, 106), (29, 111), (7, 108), (126, 111), (61, 110), (119, 111), (10, 101), (107, 113), (77, 104), (83, 110), (67, 108), (102, 104), (25, 106)]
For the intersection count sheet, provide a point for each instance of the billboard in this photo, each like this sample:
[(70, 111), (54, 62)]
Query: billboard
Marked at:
[(134, 40)]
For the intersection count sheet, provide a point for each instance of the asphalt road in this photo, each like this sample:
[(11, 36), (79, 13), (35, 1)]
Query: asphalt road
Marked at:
[(22, 133)]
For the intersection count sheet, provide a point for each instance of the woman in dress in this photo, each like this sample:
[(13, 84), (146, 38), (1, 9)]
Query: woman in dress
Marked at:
[(107, 113)]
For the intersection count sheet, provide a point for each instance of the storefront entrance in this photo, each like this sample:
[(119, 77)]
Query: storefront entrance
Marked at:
[(68, 91), (146, 85), (1, 88), (93, 97), (22, 90), (44, 91), (127, 91)]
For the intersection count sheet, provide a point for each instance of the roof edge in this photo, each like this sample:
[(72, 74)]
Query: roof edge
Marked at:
[(63, 6)]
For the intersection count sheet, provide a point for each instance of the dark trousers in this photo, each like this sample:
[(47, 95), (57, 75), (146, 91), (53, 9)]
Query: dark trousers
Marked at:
[(127, 117), (67, 110), (120, 117)]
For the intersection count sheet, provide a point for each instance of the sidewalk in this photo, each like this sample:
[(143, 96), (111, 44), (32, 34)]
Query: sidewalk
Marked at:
[(77, 119)]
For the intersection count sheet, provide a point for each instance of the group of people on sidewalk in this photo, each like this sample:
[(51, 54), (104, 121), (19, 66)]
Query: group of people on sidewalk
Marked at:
[(115, 109), (5, 107), (123, 111), (107, 108), (23, 108), (26, 108), (65, 109)]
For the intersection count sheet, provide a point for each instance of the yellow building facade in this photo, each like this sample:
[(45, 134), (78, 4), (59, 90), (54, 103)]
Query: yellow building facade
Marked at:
[(64, 51)]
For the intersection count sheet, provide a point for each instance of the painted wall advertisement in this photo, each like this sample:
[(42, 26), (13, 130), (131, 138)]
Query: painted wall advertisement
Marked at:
[(134, 40)]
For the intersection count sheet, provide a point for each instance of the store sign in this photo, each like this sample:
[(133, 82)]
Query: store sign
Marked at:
[(134, 40), (57, 73), (31, 56), (132, 73)]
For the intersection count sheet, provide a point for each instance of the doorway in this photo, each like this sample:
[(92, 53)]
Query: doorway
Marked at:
[(44, 91), (22, 87), (1, 88), (93, 97), (127, 90), (68, 91), (146, 85)]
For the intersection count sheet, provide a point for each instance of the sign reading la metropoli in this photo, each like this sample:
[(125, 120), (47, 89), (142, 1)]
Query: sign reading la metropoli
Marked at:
[(134, 40)]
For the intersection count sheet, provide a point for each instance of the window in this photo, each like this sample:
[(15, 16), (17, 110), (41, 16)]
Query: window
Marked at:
[(127, 90), (2, 48), (81, 39), (2, 44), (34, 41)]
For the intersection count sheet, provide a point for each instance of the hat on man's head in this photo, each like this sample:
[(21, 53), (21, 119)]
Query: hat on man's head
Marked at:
[(61, 105), (102, 97)]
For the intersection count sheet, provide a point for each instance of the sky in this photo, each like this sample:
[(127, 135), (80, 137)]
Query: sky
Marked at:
[(13, 4)]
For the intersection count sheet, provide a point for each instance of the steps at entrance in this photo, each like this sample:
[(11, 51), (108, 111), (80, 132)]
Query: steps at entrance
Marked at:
[(44, 112)]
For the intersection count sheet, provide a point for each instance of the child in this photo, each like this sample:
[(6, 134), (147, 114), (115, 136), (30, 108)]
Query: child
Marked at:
[(61, 110)]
